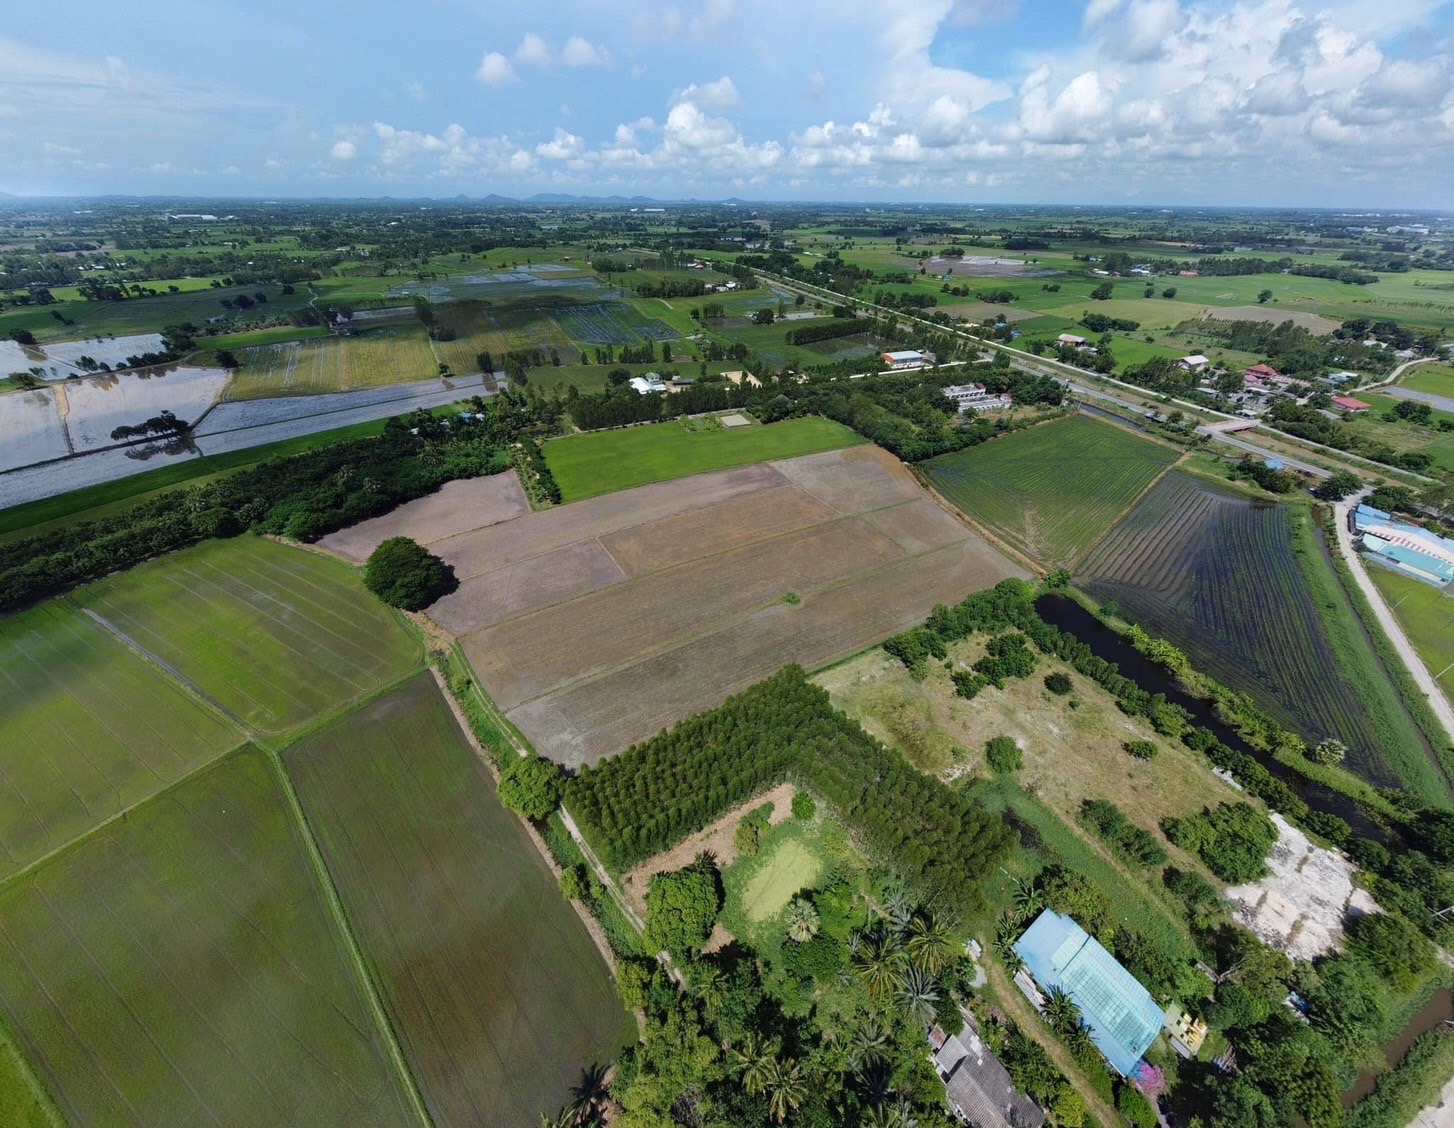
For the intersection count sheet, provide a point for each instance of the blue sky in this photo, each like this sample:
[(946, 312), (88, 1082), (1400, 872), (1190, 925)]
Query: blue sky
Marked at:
[(1346, 102)]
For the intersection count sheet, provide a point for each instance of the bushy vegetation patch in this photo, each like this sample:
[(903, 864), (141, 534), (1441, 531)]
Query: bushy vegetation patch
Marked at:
[(1232, 838), (405, 574)]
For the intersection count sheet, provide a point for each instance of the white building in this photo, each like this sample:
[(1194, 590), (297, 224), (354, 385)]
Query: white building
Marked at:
[(1196, 362), (651, 382), (908, 358), (974, 397)]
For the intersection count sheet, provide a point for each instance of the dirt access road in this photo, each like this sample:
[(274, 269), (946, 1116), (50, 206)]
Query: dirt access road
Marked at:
[(1422, 678)]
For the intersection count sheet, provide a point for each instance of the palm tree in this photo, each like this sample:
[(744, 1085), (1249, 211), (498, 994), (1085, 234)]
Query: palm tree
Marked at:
[(802, 920), (898, 1114), (755, 1061), (1006, 933), (880, 964), (1079, 1040), (930, 944), (1029, 899), (899, 908), (786, 1088), (870, 1046), (1060, 1011), (589, 1093), (918, 992)]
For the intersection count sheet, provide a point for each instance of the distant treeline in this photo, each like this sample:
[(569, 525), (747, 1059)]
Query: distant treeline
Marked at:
[(829, 330), (303, 496), (905, 413)]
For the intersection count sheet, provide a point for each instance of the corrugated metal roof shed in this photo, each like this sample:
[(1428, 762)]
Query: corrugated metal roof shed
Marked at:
[(1122, 1016)]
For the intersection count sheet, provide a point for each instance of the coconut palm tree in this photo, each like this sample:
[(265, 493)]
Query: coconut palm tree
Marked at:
[(786, 1088), (1006, 933), (1029, 899), (899, 908), (880, 964), (930, 944), (1060, 1011), (1079, 1040), (754, 1060), (918, 992), (589, 1093), (889, 1114), (869, 1047)]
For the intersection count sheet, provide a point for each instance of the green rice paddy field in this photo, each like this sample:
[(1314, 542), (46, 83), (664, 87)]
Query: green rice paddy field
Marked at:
[(606, 461), (1427, 615), (454, 907), (181, 967), (276, 637), (173, 949), (1052, 490)]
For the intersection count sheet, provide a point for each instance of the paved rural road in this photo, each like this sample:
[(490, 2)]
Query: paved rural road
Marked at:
[(1422, 678), (1232, 440), (1442, 403)]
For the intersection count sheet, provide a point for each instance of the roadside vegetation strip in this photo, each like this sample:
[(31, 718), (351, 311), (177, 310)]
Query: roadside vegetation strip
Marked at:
[(456, 911), (1427, 616), (217, 988), (1182, 564), (87, 730), (277, 636), (605, 461), (1051, 490)]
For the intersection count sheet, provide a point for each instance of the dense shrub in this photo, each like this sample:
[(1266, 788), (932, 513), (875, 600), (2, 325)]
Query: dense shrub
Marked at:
[(1059, 683), (1233, 839), (1392, 947), (531, 786), (1141, 749), (405, 574), (1003, 754), (803, 806), (681, 908), (1134, 843)]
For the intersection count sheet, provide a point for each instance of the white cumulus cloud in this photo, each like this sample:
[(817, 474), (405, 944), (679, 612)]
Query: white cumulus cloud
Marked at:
[(343, 151), (532, 51), (495, 69), (578, 52)]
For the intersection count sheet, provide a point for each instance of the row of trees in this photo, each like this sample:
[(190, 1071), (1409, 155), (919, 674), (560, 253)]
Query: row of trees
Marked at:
[(654, 794), (302, 496)]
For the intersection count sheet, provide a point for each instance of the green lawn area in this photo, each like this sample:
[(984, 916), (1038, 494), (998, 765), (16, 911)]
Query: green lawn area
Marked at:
[(1052, 490), (792, 856), (605, 461), (277, 637), (1437, 379), (1427, 616)]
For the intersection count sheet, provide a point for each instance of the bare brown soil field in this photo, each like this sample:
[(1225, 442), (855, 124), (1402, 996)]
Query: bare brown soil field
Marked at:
[(488, 549), (591, 719), (690, 536), (1312, 322), (918, 526), (528, 585), (525, 657), (853, 480), (456, 507)]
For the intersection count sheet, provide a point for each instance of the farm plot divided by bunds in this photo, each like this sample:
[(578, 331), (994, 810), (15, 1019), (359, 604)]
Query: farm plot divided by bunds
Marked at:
[(495, 990), (598, 623), (387, 355), (1052, 490), (271, 636), (181, 967), (1219, 576)]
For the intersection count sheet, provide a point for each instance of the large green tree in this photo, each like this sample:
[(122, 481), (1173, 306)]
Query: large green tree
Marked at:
[(681, 908), (404, 574)]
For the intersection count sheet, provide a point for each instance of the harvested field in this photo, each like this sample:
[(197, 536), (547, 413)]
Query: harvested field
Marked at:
[(604, 461), (181, 967), (456, 507), (597, 623), (1219, 576), (275, 637), (1052, 490), (87, 729), (1312, 322), (494, 987)]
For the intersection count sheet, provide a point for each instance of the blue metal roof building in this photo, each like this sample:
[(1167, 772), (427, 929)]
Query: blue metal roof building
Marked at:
[(1121, 1015)]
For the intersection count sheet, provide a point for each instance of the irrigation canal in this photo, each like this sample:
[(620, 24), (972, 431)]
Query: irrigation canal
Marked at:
[(1106, 643)]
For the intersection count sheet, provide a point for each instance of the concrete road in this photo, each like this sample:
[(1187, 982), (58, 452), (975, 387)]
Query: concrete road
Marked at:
[(1422, 678), (1263, 452)]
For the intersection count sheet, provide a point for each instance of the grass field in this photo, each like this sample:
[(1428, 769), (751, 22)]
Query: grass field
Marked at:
[(792, 856), (87, 729), (180, 967), (1437, 379), (497, 994), (392, 354), (605, 461), (1427, 616), (23, 1104), (1052, 490), (790, 867), (1242, 586), (276, 637)]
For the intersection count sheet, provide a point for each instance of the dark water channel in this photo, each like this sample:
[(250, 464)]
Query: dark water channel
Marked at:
[(1074, 619), (1439, 1009)]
